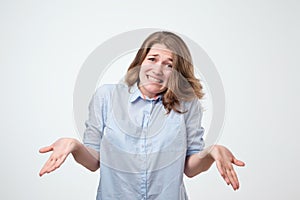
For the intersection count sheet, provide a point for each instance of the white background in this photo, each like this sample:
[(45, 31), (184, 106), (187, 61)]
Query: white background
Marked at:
[(254, 45)]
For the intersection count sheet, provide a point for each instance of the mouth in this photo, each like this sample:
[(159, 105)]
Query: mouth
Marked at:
[(152, 79)]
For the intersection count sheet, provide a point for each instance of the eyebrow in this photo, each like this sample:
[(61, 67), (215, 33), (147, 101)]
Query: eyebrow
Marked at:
[(170, 59)]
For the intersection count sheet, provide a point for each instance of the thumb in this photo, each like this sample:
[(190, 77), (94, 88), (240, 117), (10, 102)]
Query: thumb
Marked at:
[(238, 162), (46, 149)]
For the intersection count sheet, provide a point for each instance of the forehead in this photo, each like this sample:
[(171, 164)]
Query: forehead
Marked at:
[(161, 50)]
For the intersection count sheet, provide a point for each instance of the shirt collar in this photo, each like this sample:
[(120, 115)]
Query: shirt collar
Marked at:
[(135, 94)]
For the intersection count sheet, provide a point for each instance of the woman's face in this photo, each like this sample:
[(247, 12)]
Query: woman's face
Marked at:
[(155, 70)]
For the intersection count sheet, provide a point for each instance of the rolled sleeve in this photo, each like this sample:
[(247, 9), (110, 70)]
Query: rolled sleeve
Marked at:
[(96, 120), (195, 131)]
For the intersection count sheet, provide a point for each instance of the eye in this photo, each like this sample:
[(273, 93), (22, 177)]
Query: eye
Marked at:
[(169, 66), (151, 59)]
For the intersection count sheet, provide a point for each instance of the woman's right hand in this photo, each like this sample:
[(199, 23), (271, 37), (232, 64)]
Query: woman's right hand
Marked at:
[(60, 151)]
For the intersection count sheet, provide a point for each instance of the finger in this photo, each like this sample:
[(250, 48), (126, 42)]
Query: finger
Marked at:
[(220, 169), (52, 164), (45, 168), (42, 172), (226, 178), (46, 149), (238, 162), (235, 179), (49, 164), (232, 178), (234, 175)]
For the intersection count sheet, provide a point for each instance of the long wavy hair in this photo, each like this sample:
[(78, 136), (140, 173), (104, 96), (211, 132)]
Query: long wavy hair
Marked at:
[(182, 84)]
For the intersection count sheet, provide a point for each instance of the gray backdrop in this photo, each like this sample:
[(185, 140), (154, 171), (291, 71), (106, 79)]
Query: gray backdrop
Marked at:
[(254, 45)]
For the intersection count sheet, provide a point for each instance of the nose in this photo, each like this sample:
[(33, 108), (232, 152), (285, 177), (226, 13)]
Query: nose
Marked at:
[(158, 69)]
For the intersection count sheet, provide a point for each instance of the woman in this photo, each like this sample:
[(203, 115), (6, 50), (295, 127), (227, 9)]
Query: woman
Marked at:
[(146, 133)]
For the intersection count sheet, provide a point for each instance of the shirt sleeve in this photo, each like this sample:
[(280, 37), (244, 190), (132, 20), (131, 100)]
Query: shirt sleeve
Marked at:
[(195, 131), (96, 120)]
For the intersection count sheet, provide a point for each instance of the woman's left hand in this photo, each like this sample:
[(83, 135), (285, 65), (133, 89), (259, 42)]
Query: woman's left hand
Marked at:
[(224, 160)]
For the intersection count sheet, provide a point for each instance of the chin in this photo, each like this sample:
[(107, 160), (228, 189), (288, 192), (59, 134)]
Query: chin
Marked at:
[(155, 89)]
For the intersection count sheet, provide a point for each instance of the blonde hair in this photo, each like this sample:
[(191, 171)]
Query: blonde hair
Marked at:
[(182, 84)]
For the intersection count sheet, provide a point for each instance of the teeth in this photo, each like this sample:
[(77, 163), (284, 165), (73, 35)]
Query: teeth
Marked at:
[(154, 79)]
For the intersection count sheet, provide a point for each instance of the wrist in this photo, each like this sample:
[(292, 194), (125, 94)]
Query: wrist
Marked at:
[(214, 151), (74, 144), (206, 153)]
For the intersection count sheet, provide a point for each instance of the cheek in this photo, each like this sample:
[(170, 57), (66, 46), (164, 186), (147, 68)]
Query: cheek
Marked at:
[(142, 72), (167, 75), (144, 68)]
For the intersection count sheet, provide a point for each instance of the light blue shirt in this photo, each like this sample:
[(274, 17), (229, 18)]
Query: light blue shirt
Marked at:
[(142, 149)]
